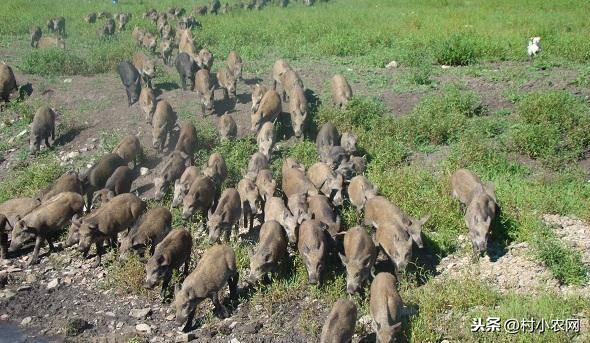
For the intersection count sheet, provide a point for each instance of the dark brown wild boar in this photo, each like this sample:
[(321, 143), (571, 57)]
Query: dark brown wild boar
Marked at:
[(275, 209), (249, 200), (187, 139), (11, 210), (359, 258), (120, 181), (320, 209), (182, 185), (129, 148), (257, 162), (339, 326), (341, 91), (269, 109), (312, 248), (227, 82), (172, 169), (147, 102), (68, 182), (296, 182), (96, 177), (150, 230), (227, 127), (226, 216), (35, 36), (360, 190), (170, 254), (271, 250), (204, 87), (163, 121), (216, 169), (327, 182), (328, 136), (200, 197), (216, 268), (298, 109), (42, 128), (386, 307), (266, 184)]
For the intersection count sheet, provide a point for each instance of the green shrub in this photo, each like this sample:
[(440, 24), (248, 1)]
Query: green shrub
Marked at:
[(54, 62), (458, 50)]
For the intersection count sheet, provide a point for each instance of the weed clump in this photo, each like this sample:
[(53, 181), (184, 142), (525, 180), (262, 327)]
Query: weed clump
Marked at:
[(54, 62), (458, 50)]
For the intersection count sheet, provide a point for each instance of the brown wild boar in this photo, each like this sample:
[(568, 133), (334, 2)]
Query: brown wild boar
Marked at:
[(335, 156), (147, 102), (257, 162), (296, 182), (278, 70), (341, 91), (465, 184), (297, 204), (396, 243), (386, 306), (479, 215), (145, 66), (161, 21), (166, 49), (328, 136), (216, 169), (312, 248), (149, 42), (101, 197), (68, 182), (216, 267), (182, 185), (58, 25), (359, 258), (129, 148), (138, 34), (187, 139), (266, 139), (227, 82), (90, 18), (227, 127), (109, 29), (7, 82), (45, 221), (205, 59), (226, 216), (360, 189), (348, 142), (122, 20), (258, 92), (115, 216), (275, 209), (379, 211), (327, 182), (170, 254), (42, 128), (35, 36), (298, 110), (186, 44), (204, 88), (163, 121), (104, 15), (120, 181), (200, 197), (235, 64), (271, 250), (150, 230), (290, 80), (249, 200), (269, 109), (11, 210), (96, 177), (265, 184), (359, 163), (320, 209), (339, 326), (171, 170)]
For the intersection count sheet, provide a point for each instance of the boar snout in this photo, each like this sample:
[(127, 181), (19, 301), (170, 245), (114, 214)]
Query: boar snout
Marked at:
[(351, 288)]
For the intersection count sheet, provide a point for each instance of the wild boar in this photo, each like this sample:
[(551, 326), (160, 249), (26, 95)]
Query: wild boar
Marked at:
[(115, 216), (249, 200), (271, 250), (187, 139), (161, 21), (227, 82), (334, 156), (11, 210), (122, 20), (258, 92), (166, 49), (359, 258), (312, 248), (275, 209), (226, 215), (45, 221), (265, 184), (120, 181), (58, 25), (109, 29), (68, 182), (51, 42), (42, 128), (235, 64), (396, 243), (328, 136), (290, 80), (172, 169), (201, 10), (465, 184), (216, 267), (360, 189), (298, 110), (380, 211), (129, 149), (327, 182), (35, 36), (131, 80), (216, 169), (90, 18), (104, 15), (359, 163), (339, 326), (182, 185), (5, 226), (266, 139), (167, 32), (163, 121), (269, 110), (257, 162), (200, 196), (96, 177), (214, 6), (145, 66), (227, 127), (205, 59), (149, 42), (296, 182), (348, 142), (147, 102), (297, 204), (101, 197), (186, 68), (278, 70), (7, 82), (386, 306), (170, 254), (137, 34), (479, 215), (187, 45), (150, 230), (204, 87), (320, 209), (341, 91)]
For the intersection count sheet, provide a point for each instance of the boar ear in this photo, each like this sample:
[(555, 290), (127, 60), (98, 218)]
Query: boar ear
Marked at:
[(488, 221), (425, 219), (343, 259)]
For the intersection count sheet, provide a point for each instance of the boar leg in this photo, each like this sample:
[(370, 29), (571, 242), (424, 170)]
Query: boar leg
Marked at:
[(183, 83), (189, 321), (35, 256), (186, 266), (274, 85), (99, 252), (165, 284), (203, 110), (3, 244), (232, 282), (220, 310), (50, 244)]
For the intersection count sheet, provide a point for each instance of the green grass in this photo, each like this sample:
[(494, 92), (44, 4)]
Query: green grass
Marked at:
[(30, 176)]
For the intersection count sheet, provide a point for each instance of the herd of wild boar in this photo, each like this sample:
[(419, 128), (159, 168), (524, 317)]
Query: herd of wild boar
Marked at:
[(300, 211)]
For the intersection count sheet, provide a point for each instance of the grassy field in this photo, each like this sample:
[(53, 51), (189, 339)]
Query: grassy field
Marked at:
[(530, 150)]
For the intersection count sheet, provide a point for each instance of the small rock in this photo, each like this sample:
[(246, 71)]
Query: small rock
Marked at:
[(68, 81), (140, 313), (234, 340), (170, 317), (144, 171), (109, 314), (233, 325), (22, 133), (73, 155), (53, 284), (26, 321), (30, 278), (392, 65), (444, 66), (143, 328), (185, 337), (23, 288)]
